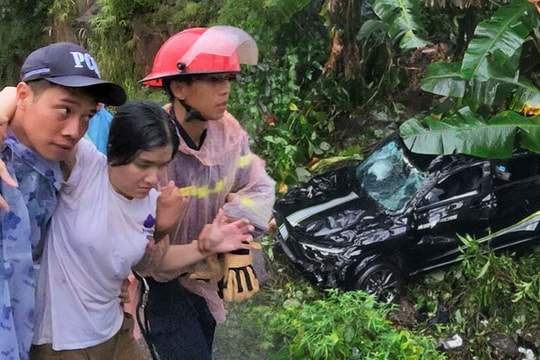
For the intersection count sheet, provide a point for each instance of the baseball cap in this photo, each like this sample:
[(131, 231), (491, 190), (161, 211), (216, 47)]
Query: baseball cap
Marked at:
[(70, 65)]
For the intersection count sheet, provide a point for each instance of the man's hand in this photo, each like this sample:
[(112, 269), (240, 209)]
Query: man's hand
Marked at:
[(224, 235), (240, 281), (170, 207)]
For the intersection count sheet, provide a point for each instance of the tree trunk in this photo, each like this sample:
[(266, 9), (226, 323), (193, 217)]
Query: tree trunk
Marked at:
[(345, 23)]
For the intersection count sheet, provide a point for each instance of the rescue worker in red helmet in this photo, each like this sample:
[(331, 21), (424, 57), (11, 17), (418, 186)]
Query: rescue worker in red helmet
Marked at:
[(214, 169)]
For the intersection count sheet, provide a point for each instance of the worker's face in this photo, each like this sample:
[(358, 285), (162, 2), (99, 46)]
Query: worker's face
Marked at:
[(54, 120), (136, 179), (208, 94)]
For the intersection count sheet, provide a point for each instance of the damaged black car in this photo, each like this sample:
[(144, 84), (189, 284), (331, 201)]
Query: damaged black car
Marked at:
[(372, 224)]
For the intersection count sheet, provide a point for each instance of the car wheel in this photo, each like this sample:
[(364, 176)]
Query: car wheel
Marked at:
[(381, 279)]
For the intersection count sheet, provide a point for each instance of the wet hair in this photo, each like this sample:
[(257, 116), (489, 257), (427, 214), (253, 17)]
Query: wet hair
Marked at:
[(139, 126)]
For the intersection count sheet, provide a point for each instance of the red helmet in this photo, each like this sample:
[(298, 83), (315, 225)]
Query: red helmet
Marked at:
[(202, 51)]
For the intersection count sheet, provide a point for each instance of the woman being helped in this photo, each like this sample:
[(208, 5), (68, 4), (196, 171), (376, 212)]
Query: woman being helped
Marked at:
[(104, 222)]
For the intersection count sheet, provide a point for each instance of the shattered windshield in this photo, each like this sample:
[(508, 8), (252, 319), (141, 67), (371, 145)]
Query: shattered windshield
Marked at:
[(388, 177)]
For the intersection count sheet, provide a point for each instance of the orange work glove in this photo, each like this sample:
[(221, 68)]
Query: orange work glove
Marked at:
[(239, 282)]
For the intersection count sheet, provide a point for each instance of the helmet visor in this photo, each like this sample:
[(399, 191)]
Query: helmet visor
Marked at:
[(224, 41)]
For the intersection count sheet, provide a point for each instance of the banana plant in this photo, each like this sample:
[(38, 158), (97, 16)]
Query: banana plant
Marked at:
[(466, 132), (489, 72), (402, 16), (488, 76)]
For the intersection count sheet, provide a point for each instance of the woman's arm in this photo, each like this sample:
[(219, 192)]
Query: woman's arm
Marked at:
[(165, 262), (8, 105)]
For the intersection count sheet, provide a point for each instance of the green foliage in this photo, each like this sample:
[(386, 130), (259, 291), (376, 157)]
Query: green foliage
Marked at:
[(345, 326), (289, 106), (289, 319), (489, 72), (503, 300), (486, 82), (21, 32), (62, 9), (498, 40), (110, 41), (286, 127), (119, 26), (402, 15), (467, 133), (377, 76), (279, 101), (248, 14)]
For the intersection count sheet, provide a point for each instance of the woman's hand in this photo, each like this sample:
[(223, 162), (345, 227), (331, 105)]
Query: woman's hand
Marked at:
[(170, 208), (8, 105), (167, 107)]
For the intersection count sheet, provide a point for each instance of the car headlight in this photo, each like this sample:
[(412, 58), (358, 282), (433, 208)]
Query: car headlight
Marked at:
[(324, 251)]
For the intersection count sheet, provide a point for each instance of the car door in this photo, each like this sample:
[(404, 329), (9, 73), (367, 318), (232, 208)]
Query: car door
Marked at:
[(460, 202), (516, 218)]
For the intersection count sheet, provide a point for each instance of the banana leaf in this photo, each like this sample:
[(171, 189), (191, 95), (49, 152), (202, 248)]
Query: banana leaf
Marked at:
[(444, 78), (467, 133), (528, 128), (489, 72), (402, 17), (516, 92), (526, 94), (496, 41)]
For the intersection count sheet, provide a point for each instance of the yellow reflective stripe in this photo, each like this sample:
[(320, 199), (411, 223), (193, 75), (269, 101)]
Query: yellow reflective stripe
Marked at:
[(202, 191), (220, 185), (246, 201), (244, 161), (188, 191)]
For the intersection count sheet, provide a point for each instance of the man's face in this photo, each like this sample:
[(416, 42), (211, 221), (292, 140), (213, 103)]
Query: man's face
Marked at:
[(208, 94), (53, 121)]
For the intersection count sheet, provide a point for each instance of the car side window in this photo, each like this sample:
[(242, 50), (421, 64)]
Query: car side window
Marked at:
[(460, 184)]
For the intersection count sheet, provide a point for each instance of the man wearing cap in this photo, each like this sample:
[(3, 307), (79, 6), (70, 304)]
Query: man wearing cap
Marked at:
[(59, 90)]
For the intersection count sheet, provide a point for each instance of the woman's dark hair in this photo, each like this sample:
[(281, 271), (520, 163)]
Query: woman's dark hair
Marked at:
[(139, 126)]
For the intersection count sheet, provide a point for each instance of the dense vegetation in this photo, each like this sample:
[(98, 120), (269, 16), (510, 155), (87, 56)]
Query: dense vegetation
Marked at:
[(490, 301), (334, 76)]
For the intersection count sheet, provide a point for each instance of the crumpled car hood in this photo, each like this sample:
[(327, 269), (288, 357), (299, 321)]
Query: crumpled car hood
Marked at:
[(329, 210), (343, 226)]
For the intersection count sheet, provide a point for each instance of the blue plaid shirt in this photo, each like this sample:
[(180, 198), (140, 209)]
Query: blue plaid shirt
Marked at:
[(31, 204)]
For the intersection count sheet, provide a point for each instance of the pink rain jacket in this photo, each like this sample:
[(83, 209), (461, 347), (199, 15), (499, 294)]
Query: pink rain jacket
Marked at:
[(223, 173)]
